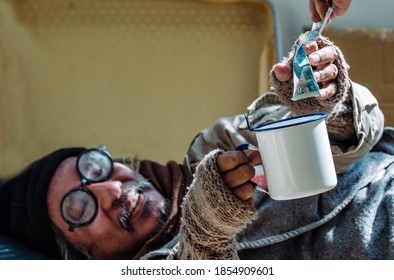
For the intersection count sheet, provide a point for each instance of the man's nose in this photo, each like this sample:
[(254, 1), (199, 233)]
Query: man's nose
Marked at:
[(106, 193)]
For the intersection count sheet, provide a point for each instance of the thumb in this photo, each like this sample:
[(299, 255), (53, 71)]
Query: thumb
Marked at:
[(282, 72)]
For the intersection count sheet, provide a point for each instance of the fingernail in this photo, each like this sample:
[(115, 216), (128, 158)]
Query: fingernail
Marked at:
[(314, 58), (317, 76)]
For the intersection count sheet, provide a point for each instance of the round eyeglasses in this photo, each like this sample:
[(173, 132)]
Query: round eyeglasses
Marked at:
[(79, 206)]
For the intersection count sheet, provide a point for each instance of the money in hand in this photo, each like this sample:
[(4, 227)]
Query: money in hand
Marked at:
[(305, 84)]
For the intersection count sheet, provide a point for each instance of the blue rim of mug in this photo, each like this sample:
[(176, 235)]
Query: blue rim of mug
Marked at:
[(268, 126)]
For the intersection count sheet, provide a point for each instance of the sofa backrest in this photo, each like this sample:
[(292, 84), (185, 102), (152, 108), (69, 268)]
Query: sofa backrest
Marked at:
[(142, 77)]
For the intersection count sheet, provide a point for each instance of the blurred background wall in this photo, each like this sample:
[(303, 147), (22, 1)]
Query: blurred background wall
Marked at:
[(143, 77)]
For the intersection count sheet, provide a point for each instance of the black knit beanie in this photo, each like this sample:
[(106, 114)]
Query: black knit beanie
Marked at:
[(23, 203)]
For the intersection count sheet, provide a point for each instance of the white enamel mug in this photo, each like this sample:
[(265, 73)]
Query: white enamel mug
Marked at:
[(296, 156)]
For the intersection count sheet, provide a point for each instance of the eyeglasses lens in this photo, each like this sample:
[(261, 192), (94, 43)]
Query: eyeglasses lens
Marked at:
[(95, 166), (79, 207)]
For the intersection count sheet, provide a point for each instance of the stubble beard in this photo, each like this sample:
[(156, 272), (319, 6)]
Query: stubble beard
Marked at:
[(150, 207)]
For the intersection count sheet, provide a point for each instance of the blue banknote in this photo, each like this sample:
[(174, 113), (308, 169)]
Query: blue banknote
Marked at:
[(305, 84)]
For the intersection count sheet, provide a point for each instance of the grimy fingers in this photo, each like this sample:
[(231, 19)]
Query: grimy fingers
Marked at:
[(230, 160)]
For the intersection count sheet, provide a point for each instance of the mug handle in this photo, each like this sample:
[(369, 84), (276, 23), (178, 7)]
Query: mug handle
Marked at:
[(259, 169)]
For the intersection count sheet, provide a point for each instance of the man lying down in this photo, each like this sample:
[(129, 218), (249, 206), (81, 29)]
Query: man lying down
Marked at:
[(79, 203)]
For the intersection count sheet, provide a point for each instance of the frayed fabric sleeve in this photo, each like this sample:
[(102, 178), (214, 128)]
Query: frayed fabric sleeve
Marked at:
[(211, 216)]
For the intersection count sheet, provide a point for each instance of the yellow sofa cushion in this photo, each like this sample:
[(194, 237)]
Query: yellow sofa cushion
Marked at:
[(141, 77)]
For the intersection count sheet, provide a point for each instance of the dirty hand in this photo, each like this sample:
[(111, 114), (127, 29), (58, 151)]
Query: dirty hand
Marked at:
[(324, 69), (318, 9), (236, 170)]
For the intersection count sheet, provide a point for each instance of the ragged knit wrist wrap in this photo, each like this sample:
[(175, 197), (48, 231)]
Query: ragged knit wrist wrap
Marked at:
[(211, 216)]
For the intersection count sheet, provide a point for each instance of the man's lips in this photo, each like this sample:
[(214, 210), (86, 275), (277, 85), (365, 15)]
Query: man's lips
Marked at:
[(139, 207), (132, 200), (135, 203)]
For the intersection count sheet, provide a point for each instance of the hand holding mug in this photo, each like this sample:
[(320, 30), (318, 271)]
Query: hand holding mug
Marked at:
[(296, 157), (237, 169)]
